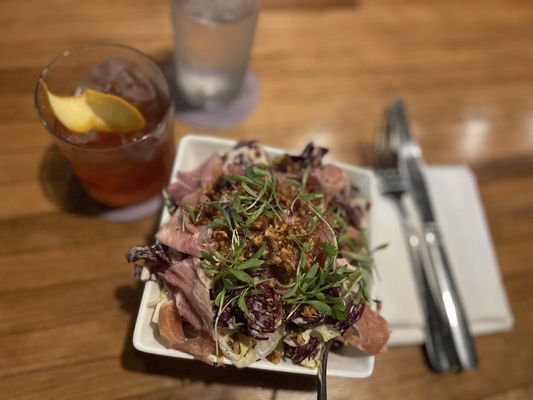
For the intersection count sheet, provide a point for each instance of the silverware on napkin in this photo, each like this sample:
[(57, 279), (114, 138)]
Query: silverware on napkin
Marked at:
[(449, 345)]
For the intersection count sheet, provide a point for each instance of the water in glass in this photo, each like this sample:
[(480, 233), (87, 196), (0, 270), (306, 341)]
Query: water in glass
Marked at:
[(213, 41)]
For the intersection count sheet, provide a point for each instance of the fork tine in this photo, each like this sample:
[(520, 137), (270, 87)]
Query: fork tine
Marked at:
[(380, 150)]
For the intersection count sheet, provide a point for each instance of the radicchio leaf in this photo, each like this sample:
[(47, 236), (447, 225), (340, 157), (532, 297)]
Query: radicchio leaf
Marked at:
[(298, 354), (311, 155), (155, 254), (350, 212), (265, 313), (300, 321), (247, 143), (266, 310), (353, 315)]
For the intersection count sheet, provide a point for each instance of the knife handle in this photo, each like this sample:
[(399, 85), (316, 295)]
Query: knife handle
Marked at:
[(446, 297), (439, 346)]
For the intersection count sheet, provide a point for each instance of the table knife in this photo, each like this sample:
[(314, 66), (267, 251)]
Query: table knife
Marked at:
[(436, 264)]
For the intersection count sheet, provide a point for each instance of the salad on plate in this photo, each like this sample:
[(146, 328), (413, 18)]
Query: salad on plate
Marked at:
[(263, 258)]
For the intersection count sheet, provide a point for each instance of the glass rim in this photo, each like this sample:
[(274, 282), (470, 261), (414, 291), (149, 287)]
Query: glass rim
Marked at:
[(254, 10), (63, 55)]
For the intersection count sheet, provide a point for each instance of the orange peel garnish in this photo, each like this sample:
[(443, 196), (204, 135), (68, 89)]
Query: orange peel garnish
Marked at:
[(94, 110)]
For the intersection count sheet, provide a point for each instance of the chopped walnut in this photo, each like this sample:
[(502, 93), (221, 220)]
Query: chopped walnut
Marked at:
[(308, 311), (220, 235), (299, 339), (274, 357), (236, 347), (274, 259), (260, 223), (258, 239), (271, 233), (283, 227), (287, 255)]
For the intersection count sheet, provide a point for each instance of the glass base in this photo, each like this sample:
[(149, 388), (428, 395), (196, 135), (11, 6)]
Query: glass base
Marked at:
[(132, 213), (63, 188), (225, 116)]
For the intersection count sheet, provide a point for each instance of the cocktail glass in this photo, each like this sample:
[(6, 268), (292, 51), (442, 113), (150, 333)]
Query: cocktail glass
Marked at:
[(116, 169)]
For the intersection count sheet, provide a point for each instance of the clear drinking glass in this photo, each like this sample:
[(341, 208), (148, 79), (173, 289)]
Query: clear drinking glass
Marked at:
[(118, 168), (213, 40)]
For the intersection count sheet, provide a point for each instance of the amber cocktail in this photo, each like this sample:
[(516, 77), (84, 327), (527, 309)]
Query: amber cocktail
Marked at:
[(116, 168)]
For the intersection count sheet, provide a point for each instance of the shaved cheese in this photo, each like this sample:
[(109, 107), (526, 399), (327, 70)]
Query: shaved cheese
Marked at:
[(311, 364), (264, 347), (155, 315), (245, 357), (327, 332)]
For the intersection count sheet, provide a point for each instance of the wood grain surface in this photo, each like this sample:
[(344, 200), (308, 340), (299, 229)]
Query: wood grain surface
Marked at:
[(67, 298)]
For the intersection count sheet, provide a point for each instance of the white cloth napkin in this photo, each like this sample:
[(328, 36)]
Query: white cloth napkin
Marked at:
[(456, 201)]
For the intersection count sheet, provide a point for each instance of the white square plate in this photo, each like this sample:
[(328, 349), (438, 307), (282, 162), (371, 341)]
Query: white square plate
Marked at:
[(193, 150)]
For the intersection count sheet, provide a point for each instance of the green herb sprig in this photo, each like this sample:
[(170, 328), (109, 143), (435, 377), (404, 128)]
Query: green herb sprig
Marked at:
[(256, 195)]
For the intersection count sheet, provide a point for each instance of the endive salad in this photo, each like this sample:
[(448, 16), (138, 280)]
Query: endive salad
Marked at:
[(263, 258)]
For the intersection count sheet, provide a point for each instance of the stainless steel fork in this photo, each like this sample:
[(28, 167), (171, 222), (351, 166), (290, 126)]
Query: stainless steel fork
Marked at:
[(322, 392), (439, 346)]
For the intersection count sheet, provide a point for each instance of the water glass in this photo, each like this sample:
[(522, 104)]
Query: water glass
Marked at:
[(213, 40)]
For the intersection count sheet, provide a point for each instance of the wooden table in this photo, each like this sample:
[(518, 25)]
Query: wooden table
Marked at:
[(67, 298)]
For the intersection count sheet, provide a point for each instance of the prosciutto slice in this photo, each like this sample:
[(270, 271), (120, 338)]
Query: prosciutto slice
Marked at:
[(185, 276), (332, 180), (187, 190), (321, 234), (234, 169), (370, 334), (186, 312), (181, 234), (171, 331)]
